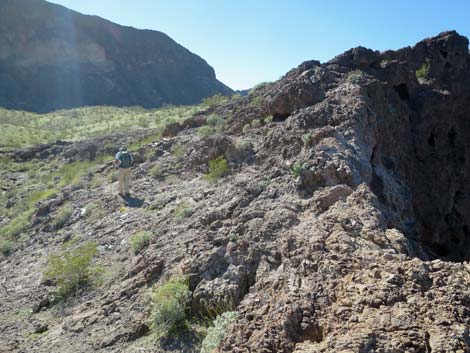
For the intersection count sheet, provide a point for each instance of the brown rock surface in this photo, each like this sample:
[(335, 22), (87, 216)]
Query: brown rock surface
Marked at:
[(344, 228)]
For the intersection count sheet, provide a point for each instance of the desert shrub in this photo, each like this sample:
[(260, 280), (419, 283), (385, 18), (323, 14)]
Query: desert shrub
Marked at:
[(217, 168), (306, 138), (256, 101), (62, 217), (423, 71), (157, 171), (17, 226), (297, 169), (178, 152), (169, 303), (6, 246), (93, 211), (256, 123), (217, 331), (140, 240), (265, 183), (182, 211), (243, 148), (216, 99), (355, 76), (205, 131), (268, 119), (72, 269)]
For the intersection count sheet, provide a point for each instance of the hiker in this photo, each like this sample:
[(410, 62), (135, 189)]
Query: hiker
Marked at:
[(124, 162)]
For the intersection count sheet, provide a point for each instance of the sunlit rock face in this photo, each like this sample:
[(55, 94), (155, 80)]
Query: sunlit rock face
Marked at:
[(53, 58)]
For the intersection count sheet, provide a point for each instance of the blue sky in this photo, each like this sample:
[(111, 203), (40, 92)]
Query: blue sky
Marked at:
[(251, 41)]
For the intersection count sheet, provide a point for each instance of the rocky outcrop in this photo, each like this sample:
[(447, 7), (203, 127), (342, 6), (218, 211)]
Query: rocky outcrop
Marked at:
[(343, 226), (53, 58)]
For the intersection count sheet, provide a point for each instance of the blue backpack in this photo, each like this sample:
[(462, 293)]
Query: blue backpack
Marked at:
[(126, 160)]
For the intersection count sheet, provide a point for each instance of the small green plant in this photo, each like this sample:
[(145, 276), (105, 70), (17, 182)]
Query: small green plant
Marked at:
[(246, 128), (182, 211), (140, 240), (157, 171), (233, 237), (72, 269), (268, 119), (217, 168), (297, 169), (423, 71), (62, 217), (17, 226), (306, 138), (216, 99), (265, 183), (178, 152), (355, 76), (217, 331), (256, 101), (170, 301), (6, 246), (256, 123), (205, 131)]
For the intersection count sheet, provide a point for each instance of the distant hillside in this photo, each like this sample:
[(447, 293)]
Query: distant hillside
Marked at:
[(53, 58)]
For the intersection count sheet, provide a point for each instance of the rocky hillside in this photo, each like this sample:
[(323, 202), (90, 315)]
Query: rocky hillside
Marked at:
[(339, 224), (53, 58)]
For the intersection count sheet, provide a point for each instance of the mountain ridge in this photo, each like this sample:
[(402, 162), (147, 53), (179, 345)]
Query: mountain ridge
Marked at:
[(55, 58)]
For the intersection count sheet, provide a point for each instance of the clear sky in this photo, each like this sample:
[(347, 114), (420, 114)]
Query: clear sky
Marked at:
[(251, 41)]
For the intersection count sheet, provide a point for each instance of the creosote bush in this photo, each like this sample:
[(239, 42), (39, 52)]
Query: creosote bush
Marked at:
[(140, 240), (217, 168), (72, 269), (217, 331), (170, 301)]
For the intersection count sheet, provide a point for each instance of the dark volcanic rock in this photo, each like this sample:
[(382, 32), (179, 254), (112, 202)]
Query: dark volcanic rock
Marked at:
[(342, 227), (52, 58)]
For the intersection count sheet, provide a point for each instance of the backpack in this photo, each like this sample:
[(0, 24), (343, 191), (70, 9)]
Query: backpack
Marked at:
[(126, 160)]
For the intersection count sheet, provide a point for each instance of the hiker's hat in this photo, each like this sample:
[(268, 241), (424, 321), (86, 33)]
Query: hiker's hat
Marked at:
[(123, 148)]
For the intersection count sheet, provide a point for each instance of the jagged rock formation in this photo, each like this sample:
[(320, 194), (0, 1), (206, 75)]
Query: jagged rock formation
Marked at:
[(364, 249), (53, 58)]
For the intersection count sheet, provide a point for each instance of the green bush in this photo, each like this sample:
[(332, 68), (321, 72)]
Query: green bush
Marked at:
[(256, 123), (355, 76), (297, 169), (306, 138), (246, 128), (217, 332), (216, 99), (170, 301), (178, 152), (72, 269), (423, 71), (157, 171), (17, 226), (217, 168), (268, 119), (6, 246), (205, 131), (62, 217), (140, 240), (182, 211)]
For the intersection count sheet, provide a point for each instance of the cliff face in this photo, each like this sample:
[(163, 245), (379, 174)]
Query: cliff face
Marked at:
[(52, 57), (342, 227)]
